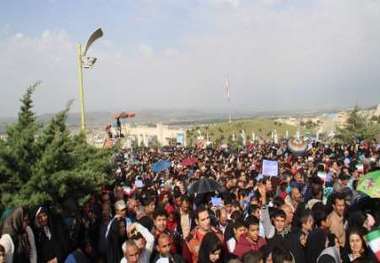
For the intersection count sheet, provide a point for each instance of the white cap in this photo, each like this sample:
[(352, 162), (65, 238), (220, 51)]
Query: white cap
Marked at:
[(120, 205), (163, 260)]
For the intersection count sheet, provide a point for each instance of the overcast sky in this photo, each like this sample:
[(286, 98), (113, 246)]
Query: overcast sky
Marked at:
[(278, 54)]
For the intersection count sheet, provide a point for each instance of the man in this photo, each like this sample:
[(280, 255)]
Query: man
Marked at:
[(194, 240), (119, 193), (279, 218), (104, 221), (149, 205), (131, 252), (239, 229), (281, 233), (276, 233), (228, 207), (143, 239), (342, 183), (268, 184), (160, 219), (222, 217), (289, 212), (251, 241), (336, 217), (132, 206), (163, 248), (294, 199), (316, 240)]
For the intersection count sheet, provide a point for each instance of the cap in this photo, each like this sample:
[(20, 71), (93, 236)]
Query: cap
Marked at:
[(120, 205)]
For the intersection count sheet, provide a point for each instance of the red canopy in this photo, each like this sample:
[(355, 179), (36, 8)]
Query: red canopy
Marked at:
[(189, 161), (123, 115)]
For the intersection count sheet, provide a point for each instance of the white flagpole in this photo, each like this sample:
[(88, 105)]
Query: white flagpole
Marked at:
[(227, 86)]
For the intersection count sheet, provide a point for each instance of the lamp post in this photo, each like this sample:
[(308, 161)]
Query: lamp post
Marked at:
[(85, 62)]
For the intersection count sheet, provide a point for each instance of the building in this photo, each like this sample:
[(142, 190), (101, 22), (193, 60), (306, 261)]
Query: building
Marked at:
[(377, 111), (162, 133)]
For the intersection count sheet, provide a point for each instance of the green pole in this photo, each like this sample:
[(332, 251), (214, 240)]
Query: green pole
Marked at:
[(81, 90)]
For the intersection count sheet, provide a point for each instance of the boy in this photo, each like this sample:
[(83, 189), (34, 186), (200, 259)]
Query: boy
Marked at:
[(251, 241)]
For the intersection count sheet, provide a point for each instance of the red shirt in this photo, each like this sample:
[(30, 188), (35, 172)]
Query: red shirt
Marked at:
[(245, 244)]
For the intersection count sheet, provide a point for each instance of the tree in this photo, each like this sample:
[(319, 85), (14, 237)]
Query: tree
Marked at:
[(134, 143), (190, 137), (19, 152), (357, 127), (154, 142), (40, 165), (20, 143)]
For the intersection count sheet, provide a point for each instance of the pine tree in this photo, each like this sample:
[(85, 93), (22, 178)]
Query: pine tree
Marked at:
[(18, 152), (48, 166)]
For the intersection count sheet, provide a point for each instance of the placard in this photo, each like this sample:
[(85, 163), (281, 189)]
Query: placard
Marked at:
[(216, 201), (270, 168)]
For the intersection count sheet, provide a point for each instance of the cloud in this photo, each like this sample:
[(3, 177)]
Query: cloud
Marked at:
[(49, 58), (280, 55), (233, 3), (146, 50)]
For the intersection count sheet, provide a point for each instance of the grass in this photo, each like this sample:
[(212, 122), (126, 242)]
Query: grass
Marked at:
[(262, 127)]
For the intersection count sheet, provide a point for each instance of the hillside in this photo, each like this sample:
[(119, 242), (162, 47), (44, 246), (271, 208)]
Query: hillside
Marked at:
[(223, 132)]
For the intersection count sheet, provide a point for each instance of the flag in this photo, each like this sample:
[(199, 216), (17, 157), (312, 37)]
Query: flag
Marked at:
[(373, 240), (227, 87), (243, 137)]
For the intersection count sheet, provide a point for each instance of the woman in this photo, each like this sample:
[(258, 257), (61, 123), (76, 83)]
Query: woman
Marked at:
[(2, 254), (357, 248), (299, 236), (50, 239), (116, 237), (14, 237), (211, 249)]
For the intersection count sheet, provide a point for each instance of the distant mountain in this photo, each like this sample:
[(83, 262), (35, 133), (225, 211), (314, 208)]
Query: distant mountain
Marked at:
[(101, 119), (178, 117)]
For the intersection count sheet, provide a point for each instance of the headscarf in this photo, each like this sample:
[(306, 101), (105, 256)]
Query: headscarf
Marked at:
[(13, 226), (46, 229)]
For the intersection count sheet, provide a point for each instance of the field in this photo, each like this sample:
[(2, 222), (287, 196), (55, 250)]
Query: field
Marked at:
[(223, 132)]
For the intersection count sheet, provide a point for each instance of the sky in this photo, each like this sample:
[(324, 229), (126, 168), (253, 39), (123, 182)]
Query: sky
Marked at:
[(176, 54)]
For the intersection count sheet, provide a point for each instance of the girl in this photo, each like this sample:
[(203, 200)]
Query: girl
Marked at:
[(211, 249)]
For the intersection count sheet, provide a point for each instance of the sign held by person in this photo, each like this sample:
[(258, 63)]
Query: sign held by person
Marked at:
[(270, 168)]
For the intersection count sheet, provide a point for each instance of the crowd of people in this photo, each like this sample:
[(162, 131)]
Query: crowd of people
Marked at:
[(309, 212)]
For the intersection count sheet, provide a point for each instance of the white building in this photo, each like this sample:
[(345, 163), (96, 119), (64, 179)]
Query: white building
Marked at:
[(163, 134)]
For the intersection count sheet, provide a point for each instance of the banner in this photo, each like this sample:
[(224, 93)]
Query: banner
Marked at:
[(270, 168), (181, 138), (373, 240)]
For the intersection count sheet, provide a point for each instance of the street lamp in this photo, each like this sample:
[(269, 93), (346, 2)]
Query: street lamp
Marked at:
[(85, 62)]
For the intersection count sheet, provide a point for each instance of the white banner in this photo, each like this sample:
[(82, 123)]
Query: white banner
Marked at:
[(270, 168)]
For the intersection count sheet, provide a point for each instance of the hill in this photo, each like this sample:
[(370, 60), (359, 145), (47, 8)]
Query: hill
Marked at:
[(223, 132)]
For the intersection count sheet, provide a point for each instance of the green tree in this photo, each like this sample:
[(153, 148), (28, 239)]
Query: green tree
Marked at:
[(19, 152), (20, 143), (357, 127), (190, 137), (154, 142), (48, 164)]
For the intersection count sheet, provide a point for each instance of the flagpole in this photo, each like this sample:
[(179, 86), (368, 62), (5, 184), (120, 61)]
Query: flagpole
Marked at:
[(229, 101), (227, 86), (230, 114)]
